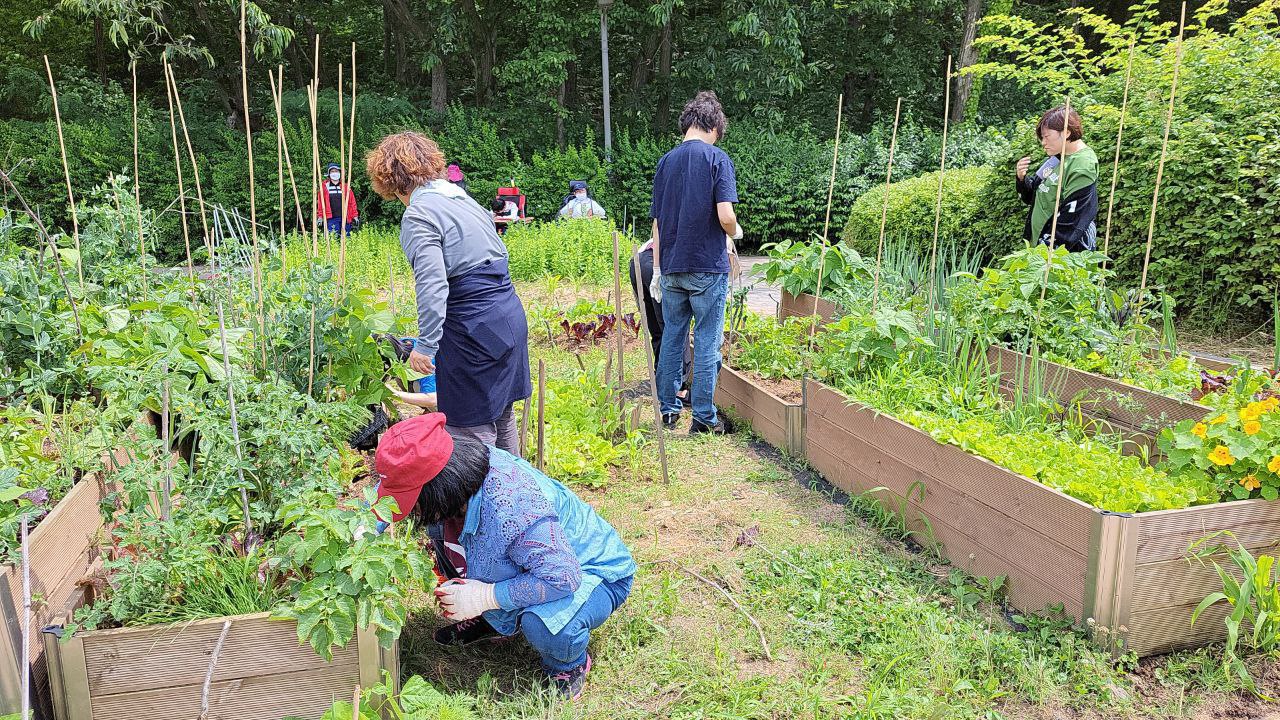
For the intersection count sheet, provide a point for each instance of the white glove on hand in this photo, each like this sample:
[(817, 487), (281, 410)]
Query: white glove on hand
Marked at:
[(737, 232), (655, 287), (463, 599)]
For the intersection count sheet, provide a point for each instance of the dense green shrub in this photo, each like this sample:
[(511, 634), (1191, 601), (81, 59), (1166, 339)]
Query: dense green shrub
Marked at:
[(1215, 243), (966, 224)]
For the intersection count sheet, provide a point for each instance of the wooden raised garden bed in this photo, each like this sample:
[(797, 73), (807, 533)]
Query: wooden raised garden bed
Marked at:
[(1134, 413), (778, 421), (63, 548), (1125, 575), (806, 305), (158, 673)]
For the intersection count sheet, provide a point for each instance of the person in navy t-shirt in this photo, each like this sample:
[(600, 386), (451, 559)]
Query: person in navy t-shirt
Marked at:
[(694, 190)]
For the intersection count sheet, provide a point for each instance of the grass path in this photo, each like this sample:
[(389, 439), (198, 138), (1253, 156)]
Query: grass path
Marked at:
[(858, 625)]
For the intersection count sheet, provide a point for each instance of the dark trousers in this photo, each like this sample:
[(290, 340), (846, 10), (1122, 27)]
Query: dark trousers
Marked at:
[(653, 313)]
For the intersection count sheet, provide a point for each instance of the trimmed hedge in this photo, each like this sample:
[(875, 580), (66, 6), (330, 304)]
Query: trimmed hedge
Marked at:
[(966, 222)]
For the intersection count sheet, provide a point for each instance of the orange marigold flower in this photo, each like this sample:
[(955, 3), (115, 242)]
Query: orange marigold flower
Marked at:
[(1252, 427), (1274, 465), (1251, 412), (1250, 482), (1221, 456), (1270, 404), (1218, 420), (1200, 430)]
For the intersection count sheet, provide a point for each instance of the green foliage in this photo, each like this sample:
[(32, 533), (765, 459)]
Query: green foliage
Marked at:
[(912, 212), (797, 266), (581, 250), (1251, 590), (770, 348), (587, 430), (345, 576), (1214, 249), (864, 340), (417, 700)]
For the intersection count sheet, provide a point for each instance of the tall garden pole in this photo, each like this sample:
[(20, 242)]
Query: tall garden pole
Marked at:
[(1115, 165), (351, 136), (137, 195), (942, 173), (617, 305), (542, 416), (313, 96), (341, 212), (182, 193), (653, 377), (275, 102), (253, 197), (26, 620), (826, 223), (604, 75), (66, 173), (1164, 151), (1057, 202), (884, 210), (195, 164), (278, 92)]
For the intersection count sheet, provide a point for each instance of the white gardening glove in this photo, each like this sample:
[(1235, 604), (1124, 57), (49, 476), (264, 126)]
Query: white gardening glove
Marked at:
[(463, 599), (655, 287), (737, 232)]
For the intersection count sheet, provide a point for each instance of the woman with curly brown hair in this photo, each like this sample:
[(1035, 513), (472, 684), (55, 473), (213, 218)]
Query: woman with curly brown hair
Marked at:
[(469, 317)]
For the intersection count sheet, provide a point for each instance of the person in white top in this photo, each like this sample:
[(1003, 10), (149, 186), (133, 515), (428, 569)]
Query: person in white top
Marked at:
[(579, 204)]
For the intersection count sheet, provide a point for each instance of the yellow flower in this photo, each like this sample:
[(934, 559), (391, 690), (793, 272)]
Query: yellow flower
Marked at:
[(1270, 404), (1250, 482), (1251, 412), (1218, 420), (1274, 465), (1221, 456), (1200, 430), (1252, 427)]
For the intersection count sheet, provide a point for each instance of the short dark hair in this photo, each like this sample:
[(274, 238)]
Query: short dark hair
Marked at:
[(704, 111), (447, 494), (498, 205), (1053, 120)]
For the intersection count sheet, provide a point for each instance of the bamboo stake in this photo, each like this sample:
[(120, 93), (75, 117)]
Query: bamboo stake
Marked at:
[(137, 196), (66, 172), (311, 353), (542, 414), (275, 102), (826, 223), (341, 212), (391, 280), (1057, 203), (351, 139), (315, 174), (617, 304), (1164, 151), (884, 210), (315, 143), (235, 424), (167, 494), (53, 250), (182, 193), (1115, 165), (213, 665), (942, 173), (191, 156), (261, 340), (26, 621), (653, 377), (288, 160)]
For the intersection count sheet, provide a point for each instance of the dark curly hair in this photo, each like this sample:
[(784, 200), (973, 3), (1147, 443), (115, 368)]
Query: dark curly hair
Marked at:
[(704, 111), (448, 493)]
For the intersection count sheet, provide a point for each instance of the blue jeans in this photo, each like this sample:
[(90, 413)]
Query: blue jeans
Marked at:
[(699, 297), (335, 226), (567, 649)]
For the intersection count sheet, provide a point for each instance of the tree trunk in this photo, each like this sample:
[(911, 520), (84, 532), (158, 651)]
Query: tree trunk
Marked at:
[(664, 78), (968, 55), (642, 70), (560, 92), (439, 87), (99, 51), (388, 42), (484, 67)]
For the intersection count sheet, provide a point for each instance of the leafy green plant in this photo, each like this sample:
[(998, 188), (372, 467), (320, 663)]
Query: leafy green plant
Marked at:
[(578, 249), (343, 575), (771, 348), (587, 430), (796, 266), (1254, 600), (864, 340), (417, 700)]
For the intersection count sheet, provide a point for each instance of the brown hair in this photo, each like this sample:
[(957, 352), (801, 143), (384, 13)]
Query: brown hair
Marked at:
[(704, 111), (403, 162), (1052, 120)]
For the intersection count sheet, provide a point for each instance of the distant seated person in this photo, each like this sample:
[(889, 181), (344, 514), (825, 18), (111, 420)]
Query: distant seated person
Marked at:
[(579, 204), (335, 203), (504, 210)]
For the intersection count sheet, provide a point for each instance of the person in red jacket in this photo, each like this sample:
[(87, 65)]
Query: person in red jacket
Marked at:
[(336, 204)]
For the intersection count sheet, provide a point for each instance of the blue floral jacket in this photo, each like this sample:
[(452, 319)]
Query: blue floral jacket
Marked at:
[(542, 547)]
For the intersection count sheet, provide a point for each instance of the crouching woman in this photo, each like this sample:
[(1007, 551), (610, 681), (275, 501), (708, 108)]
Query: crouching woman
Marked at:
[(521, 552)]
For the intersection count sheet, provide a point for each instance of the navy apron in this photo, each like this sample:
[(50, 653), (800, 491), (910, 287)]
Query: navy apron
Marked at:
[(484, 348)]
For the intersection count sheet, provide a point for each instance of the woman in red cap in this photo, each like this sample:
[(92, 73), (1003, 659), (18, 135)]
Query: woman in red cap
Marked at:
[(521, 551)]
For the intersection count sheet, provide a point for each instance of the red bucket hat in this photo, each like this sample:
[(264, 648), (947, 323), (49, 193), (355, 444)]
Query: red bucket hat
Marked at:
[(410, 455)]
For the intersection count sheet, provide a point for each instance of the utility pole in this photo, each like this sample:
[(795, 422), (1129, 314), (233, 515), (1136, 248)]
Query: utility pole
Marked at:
[(604, 58)]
